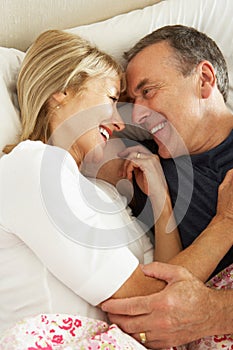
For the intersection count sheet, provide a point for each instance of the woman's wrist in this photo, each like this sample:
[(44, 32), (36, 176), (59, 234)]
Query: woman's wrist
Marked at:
[(162, 206)]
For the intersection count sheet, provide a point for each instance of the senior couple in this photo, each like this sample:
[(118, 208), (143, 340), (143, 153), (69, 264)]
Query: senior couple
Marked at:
[(177, 81)]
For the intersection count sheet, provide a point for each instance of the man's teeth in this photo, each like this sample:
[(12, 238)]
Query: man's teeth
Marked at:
[(158, 127), (104, 132)]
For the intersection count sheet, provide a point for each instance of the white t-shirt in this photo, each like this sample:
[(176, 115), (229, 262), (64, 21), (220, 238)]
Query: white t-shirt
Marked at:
[(66, 243)]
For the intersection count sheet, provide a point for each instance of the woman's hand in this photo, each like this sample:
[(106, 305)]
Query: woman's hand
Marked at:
[(150, 178), (146, 168), (148, 173)]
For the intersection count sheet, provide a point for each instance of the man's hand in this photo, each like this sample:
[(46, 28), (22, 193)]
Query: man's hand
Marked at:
[(225, 199), (180, 313)]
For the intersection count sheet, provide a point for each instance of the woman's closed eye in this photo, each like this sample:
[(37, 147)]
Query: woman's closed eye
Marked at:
[(114, 99)]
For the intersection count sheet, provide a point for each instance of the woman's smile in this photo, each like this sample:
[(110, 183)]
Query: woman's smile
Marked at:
[(105, 132)]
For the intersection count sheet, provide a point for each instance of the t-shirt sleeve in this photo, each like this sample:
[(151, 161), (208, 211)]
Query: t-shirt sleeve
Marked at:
[(46, 205)]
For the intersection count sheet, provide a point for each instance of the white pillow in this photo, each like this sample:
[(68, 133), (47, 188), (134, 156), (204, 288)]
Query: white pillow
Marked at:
[(10, 60), (212, 17), (117, 35)]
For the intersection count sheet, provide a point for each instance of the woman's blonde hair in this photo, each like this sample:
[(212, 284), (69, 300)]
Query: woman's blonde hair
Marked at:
[(56, 61)]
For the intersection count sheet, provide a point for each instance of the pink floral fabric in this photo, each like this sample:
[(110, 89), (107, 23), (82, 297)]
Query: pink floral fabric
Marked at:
[(71, 332), (66, 332)]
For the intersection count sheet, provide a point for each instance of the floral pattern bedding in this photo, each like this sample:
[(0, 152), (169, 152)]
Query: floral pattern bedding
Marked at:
[(70, 332)]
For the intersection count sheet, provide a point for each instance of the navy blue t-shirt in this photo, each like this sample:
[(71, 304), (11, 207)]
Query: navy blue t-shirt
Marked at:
[(193, 183)]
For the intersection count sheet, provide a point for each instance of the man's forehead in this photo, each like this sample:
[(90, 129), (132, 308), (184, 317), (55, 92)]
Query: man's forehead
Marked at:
[(158, 52)]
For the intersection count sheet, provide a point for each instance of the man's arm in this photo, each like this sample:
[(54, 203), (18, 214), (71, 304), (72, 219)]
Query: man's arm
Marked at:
[(207, 250), (185, 309), (204, 254)]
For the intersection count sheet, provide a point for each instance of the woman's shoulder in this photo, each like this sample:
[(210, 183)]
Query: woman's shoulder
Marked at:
[(34, 151), (24, 149), (32, 158)]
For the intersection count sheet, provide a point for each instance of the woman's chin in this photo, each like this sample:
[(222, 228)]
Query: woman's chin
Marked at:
[(96, 155)]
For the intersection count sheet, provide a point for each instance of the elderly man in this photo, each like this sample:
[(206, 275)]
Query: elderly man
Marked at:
[(178, 82)]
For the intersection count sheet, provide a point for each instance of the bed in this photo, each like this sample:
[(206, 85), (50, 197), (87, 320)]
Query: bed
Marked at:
[(113, 26)]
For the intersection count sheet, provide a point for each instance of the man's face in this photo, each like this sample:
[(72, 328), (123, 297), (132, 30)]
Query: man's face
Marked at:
[(166, 103)]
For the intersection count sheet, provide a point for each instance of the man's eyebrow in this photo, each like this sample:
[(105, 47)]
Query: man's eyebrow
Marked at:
[(141, 84)]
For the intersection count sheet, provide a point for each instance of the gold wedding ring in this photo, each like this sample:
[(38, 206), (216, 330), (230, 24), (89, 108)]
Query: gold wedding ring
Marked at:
[(142, 337), (138, 156)]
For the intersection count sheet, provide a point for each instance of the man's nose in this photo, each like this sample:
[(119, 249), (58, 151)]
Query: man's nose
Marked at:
[(139, 113)]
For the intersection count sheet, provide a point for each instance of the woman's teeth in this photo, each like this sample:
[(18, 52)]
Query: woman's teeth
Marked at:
[(104, 133), (158, 127)]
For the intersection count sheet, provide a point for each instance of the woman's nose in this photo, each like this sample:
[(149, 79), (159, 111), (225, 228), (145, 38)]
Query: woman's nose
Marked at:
[(117, 121)]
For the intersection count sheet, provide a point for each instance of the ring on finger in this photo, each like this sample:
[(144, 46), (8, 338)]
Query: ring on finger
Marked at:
[(138, 155), (142, 337)]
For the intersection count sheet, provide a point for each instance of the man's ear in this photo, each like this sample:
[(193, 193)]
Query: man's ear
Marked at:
[(207, 78)]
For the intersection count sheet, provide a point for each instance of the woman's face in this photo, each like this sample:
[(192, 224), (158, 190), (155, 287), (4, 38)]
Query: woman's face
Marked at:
[(85, 122)]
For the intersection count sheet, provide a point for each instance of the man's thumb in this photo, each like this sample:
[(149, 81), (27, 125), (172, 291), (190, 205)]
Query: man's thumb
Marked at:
[(166, 272)]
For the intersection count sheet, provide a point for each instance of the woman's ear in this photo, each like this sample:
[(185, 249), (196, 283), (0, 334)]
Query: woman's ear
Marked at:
[(59, 96), (207, 78)]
